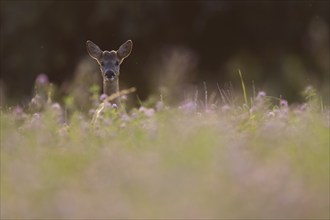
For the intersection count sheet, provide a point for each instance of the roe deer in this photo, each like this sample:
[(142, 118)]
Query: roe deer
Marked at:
[(109, 62)]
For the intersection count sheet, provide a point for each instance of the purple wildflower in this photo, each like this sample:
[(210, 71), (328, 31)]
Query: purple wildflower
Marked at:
[(261, 95), (283, 103), (103, 97), (42, 79)]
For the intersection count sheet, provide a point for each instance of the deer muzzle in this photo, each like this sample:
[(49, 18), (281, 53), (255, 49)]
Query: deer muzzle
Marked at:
[(110, 75)]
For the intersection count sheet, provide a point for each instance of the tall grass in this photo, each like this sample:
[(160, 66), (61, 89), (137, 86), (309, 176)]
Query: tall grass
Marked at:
[(243, 88), (221, 162)]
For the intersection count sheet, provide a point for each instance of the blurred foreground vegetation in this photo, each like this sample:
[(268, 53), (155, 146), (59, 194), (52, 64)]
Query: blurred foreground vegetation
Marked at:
[(260, 159)]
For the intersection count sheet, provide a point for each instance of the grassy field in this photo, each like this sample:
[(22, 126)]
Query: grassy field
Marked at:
[(256, 160)]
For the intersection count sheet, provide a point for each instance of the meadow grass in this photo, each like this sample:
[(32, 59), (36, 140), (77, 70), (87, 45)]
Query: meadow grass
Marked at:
[(224, 161)]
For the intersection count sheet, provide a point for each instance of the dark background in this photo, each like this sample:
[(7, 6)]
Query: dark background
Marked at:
[(280, 46)]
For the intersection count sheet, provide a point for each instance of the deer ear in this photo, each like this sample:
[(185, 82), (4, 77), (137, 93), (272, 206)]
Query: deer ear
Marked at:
[(125, 49), (93, 50)]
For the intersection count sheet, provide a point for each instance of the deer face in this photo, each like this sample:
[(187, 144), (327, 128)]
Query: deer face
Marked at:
[(109, 61)]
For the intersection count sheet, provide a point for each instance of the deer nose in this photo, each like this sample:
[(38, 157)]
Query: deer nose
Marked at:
[(110, 74)]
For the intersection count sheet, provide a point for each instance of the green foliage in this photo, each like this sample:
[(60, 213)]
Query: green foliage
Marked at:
[(256, 162)]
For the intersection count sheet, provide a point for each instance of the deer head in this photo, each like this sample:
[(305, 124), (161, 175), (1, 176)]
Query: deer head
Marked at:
[(109, 62)]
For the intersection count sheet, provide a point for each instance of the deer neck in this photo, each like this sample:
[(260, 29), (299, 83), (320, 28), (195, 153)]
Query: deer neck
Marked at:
[(111, 87)]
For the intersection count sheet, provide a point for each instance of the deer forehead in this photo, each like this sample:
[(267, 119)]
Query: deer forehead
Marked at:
[(109, 55)]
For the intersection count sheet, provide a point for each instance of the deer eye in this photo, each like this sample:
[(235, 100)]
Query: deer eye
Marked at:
[(117, 63), (101, 63)]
